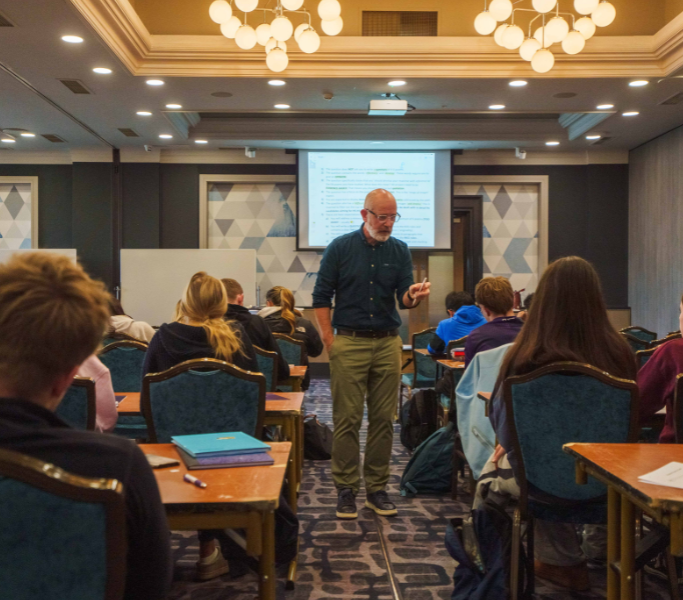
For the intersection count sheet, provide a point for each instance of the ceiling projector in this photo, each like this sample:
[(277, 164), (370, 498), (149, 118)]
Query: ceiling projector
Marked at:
[(388, 108)]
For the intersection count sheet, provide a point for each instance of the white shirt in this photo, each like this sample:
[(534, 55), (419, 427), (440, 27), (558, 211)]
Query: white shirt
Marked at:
[(137, 329)]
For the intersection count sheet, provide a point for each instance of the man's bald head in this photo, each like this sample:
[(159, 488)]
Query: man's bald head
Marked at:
[(380, 201)]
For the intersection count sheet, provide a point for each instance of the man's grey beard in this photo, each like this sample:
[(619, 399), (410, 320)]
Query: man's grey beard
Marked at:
[(375, 235)]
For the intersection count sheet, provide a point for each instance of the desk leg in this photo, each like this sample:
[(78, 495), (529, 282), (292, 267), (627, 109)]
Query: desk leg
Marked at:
[(613, 542), (296, 384), (291, 435), (267, 560), (628, 547), (676, 526)]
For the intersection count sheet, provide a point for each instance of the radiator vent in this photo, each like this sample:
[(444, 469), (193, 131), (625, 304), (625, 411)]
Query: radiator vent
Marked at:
[(399, 23), (675, 99), (5, 22), (55, 139), (128, 132), (75, 86)]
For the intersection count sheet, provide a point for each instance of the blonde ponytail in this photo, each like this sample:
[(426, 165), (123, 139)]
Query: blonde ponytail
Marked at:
[(282, 297), (205, 301)]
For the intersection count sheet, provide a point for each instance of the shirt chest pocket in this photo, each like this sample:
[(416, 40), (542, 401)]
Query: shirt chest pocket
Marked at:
[(387, 275)]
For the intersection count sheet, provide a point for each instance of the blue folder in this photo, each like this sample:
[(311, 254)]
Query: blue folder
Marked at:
[(219, 444)]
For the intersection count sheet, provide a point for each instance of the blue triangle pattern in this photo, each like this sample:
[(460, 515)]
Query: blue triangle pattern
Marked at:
[(486, 232)]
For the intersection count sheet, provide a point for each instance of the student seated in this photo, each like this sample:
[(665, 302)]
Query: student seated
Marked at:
[(281, 317), (463, 316), (657, 383), (105, 399), (52, 317), (568, 323), (200, 331), (523, 314), (120, 322), (255, 327), (495, 297)]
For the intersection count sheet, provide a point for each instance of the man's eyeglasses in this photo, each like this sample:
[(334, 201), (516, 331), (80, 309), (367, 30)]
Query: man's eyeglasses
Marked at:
[(384, 218)]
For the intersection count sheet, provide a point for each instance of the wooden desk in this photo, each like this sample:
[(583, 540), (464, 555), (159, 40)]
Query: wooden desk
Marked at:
[(130, 405), (618, 466), (296, 377), (451, 364), (235, 498)]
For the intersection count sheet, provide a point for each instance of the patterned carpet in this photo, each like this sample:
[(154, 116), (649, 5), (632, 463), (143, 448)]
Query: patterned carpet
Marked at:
[(345, 560)]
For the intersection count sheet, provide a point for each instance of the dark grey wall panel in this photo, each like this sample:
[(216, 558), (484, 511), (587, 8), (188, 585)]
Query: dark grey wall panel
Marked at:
[(54, 201), (141, 205)]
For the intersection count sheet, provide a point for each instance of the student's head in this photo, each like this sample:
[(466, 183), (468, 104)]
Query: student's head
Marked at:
[(456, 300), (115, 307), (234, 291), (204, 303), (569, 322), (495, 297), (52, 317), (379, 214), (281, 296)]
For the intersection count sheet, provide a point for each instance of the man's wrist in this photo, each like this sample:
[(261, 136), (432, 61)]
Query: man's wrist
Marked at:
[(413, 301)]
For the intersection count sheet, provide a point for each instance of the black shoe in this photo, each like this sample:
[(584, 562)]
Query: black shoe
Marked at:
[(346, 504), (380, 503)]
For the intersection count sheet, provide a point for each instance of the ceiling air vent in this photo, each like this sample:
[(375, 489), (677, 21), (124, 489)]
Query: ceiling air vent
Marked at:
[(399, 23), (75, 86), (55, 139), (675, 99), (128, 132), (5, 22), (602, 140)]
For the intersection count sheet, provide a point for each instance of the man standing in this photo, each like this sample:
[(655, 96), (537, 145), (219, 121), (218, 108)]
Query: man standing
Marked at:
[(367, 271)]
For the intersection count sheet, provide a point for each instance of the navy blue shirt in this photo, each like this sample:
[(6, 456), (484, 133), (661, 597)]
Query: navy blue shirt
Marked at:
[(365, 281), (498, 332)]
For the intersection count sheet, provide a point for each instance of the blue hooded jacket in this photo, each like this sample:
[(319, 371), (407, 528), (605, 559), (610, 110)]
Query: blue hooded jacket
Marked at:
[(466, 319)]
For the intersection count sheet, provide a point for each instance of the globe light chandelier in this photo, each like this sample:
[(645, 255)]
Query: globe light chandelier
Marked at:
[(553, 28), (274, 35)]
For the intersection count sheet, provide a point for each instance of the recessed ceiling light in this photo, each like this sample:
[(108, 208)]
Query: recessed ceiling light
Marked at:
[(497, 107), (605, 106), (155, 82), (144, 113), (102, 70), (593, 137), (639, 83), (631, 113), (201, 141), (7, 140), (72, 39), (165, 136), (27, 134), (397, 83), (518, 83), (276, 82), (552, 143), (175, 106), (282, 106)]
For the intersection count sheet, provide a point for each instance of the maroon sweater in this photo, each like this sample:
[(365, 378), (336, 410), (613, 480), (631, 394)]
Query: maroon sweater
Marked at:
[(657, 383)]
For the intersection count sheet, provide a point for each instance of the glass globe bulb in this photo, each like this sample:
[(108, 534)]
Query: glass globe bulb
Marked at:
[(230, 28), (292, 4), (273, 43), (585, 27), (528, 48), (484, 23), (604, 14), (500, 9), (309, 41), (281, 29), (329, 10), (299, 30), (543, 6), (263, 33), (573, 43), (542, 61), (277, 60), (557, 29), (544, 41), (246, 5), (332, 27), (513, 37), (245, 37), (585, 7), (220, 11), (498, 35)]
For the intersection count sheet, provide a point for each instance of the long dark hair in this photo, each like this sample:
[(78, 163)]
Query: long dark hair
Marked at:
[(569, 321)]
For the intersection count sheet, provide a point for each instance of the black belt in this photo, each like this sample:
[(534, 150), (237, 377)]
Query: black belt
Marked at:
[(375, 335)]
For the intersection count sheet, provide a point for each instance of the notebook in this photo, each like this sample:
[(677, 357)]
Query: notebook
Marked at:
[(219, 444), (224, 462)]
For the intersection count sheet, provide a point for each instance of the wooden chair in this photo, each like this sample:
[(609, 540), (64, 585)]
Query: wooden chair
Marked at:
[(112, 336), (203, 396), (453, 344), (635, 343), (676, 335), (61, 535), (78, 406), (642, 356), (640, 332), (293, 350), (267, 362), (124, 359)]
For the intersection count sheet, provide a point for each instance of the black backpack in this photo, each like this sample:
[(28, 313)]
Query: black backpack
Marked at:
[(418, 418)]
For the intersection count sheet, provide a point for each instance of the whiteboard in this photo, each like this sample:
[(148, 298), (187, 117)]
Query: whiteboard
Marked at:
[(6, 254), (152, 281)]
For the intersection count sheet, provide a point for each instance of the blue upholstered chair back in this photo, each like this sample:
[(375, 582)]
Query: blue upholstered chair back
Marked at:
[(78, 407), (642, 356), (267, 363), (184, 400), (124, 360), (640, 332), (635, 342), (61, 536), (425, 367), (293, 351), (561, 403)]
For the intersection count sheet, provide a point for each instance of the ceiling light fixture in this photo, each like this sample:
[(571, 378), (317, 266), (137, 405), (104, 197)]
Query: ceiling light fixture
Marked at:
[(497, 107), (155, 82), (282, 106), (397, 83), (279, 30), (276, 82), (72, 39), (553, 143), (201, 141), (499, 18), (144, 113), (27, 134), (605, 106), (631, 113), (102, 70), (518, 83), (7, 140), (174, 106), (593, 137), (638, 83), (165, 136)]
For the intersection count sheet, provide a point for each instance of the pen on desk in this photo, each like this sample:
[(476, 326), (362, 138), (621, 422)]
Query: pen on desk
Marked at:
[(193, 480)]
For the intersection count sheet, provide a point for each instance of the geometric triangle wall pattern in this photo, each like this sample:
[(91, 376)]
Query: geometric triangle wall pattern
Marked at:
[(15, 215)]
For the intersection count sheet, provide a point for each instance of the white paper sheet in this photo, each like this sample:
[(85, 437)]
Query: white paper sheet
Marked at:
[(670, 475)]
